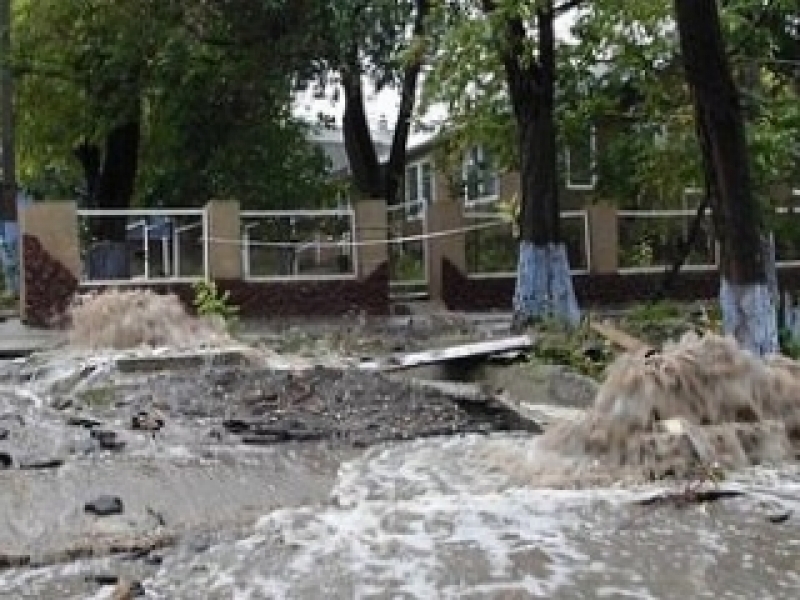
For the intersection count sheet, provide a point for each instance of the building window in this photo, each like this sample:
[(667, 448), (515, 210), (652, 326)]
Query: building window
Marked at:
[(419, 189), (581, 159), (479, 177)]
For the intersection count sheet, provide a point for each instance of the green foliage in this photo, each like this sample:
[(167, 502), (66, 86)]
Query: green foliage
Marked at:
[(209, 302), (789, 344), (408, 267), (621, 71), (579, 349), (211, 83), (658, 311)]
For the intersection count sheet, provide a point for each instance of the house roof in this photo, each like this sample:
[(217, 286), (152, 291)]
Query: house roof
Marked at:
[(331, 141)]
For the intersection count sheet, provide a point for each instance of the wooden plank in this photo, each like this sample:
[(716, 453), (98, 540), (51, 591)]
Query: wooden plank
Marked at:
[(451, 353), (618, 337)]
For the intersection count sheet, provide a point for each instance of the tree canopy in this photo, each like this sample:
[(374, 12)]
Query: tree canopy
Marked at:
[(210, 84)]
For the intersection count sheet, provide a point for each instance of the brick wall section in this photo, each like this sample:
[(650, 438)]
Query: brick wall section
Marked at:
[(481, 294), (322, 297), (276, 299), (49, 285)]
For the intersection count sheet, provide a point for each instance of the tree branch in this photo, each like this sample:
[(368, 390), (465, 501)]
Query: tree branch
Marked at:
[(397, 156), (567, 6)]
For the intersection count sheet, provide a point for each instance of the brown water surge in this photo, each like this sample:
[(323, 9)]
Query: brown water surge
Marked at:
[(699, 404)]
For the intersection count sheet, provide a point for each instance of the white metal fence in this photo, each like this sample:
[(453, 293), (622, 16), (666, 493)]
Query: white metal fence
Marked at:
[(649, 240), (408, 246), (161, 245), (298, 244), (492, 251)]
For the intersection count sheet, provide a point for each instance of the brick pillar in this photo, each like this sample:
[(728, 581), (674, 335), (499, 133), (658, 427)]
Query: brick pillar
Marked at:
[(444, 216), (55, 226), (225, 249), (371, 226), (603, 238)]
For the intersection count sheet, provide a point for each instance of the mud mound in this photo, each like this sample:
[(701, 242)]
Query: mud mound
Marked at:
[(699, 402), (130, 319)]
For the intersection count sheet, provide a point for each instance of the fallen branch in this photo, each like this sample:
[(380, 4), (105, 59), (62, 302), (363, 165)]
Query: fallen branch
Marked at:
[(619, 338)]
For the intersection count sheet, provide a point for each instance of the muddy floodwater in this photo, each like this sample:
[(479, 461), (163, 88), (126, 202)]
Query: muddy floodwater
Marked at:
[(426, 519), (247, 479)]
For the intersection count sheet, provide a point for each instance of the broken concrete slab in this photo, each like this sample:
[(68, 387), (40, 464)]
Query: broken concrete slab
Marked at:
[(461, 352)]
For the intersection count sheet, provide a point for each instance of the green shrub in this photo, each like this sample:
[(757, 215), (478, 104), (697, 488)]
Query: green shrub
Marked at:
[(209, 302)]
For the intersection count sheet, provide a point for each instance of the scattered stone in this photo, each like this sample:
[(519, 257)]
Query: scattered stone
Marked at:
[(79, 421), (104, 579), (127, 590), (103, 506), (146, 421), (153, 560), (780, 517), (13, 561), (62, 403), (40, 463), (236, 426), (107, 439), (264, 439), (3, 433)]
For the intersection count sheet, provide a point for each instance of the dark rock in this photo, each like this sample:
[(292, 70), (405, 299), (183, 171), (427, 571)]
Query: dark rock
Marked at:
[(86, 422), (305, 435), (107, 439), (236, 425), (104, 579), (5, 460), (3, 433), (153, 560), (145, 421), (103, 506), (40, 463), (104, 436), (12, 561), (264, 439), (595, 352), (780, 517), (62, 403)]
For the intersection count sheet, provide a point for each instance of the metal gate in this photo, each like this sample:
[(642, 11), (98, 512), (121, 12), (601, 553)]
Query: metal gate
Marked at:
[(408, 250)]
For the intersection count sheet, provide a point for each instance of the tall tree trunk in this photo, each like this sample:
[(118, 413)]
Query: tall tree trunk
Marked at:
[(110, 185), (365, 168), (747, 305), (544, 283), (369, 176)]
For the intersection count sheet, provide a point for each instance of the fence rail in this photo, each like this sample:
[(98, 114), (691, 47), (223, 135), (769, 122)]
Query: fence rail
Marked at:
[(298, 244), (492, 251)]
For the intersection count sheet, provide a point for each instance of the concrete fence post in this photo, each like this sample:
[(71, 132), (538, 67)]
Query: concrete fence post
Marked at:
[(372, 230), (445, 216), (603, 238), (225, 238), (55, 226)]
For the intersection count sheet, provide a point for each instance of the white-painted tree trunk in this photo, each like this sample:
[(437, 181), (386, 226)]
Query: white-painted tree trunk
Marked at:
[(749, 315), (544, 285)]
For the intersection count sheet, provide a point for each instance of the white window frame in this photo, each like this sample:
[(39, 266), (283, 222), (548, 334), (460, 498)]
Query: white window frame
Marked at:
[(416, 208), (583, 186), (489, 172)]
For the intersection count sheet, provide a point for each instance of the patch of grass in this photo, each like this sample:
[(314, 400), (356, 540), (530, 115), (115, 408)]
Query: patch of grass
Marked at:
[(659, 311), (100, 397)]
